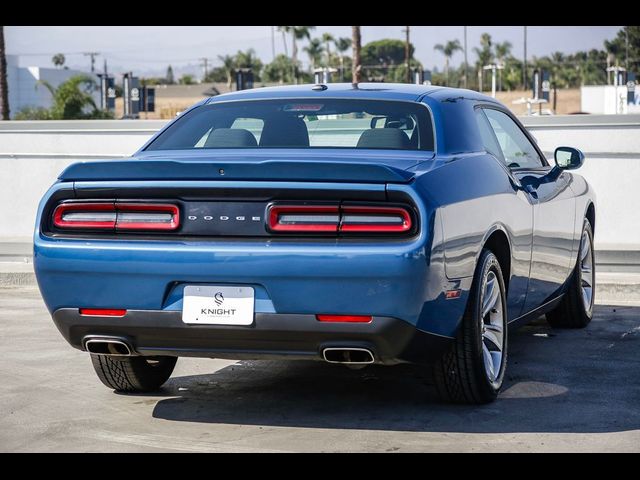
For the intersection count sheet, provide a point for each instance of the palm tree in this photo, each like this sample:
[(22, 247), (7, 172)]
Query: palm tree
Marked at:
[(328, 39), (357, 47), (448, 49), (229, 66), (342, 44), (314, 50), (4, 84), (502, 51), (284, 30), (297, 33), (485, 56), (58, 60)]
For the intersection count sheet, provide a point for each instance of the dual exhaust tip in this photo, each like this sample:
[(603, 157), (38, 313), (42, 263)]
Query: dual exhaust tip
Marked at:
[(348, 356), (108, 346), (120, 348)]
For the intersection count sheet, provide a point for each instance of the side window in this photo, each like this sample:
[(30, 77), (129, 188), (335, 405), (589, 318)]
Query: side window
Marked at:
[(488, 137), (517, 149)]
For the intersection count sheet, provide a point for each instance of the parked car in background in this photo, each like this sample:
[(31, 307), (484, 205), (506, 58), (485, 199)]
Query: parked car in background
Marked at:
[(351, 224)]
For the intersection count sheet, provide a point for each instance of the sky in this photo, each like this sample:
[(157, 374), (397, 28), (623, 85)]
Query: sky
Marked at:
[(147, 50)]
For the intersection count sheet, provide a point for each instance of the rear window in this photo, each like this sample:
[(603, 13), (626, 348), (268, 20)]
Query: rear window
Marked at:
[(303, 123)]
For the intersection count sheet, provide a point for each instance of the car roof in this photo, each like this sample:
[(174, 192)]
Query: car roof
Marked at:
[(377, 91)]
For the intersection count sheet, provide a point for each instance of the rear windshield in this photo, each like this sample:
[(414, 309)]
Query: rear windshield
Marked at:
[(303, 123)]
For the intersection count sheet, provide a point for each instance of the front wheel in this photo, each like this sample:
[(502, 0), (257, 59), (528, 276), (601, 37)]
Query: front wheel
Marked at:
[(133, 374), (473, 370)]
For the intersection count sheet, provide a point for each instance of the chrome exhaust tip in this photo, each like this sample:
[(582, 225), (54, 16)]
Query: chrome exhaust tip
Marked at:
[(348, 356), (108, 346)]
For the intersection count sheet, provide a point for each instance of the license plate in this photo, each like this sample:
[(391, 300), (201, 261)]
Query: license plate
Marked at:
[(211, 305)]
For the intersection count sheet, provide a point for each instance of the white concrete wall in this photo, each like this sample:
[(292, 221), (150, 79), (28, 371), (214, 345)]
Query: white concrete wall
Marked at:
[(611, 144), (32, 154)]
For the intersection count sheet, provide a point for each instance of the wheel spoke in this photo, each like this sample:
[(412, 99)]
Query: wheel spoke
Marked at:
[(488, 362), (586, 248), (493, 334), (491, 296)]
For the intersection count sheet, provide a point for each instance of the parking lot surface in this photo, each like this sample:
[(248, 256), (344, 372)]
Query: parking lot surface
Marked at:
[(566, 390)]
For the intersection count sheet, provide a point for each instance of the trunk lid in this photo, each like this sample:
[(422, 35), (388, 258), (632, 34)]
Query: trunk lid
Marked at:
[(273, 165)]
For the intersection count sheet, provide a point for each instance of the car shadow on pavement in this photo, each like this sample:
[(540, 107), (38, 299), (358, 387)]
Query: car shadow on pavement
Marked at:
[(557, 381)]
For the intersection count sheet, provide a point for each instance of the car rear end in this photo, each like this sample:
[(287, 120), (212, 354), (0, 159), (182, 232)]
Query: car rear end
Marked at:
[(241, 254)]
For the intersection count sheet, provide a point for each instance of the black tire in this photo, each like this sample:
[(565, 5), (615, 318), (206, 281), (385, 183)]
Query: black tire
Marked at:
[(133, 374), (572, 311), (460, 375)]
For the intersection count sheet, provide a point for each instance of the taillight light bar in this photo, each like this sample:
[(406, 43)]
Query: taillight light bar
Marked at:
[(367, 219), (338, 219), (117, 216), (102, 312), (303, 218)]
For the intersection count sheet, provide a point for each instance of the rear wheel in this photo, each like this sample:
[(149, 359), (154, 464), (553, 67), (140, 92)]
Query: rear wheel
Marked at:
[(576, 307), (473, 370), (133, 374)]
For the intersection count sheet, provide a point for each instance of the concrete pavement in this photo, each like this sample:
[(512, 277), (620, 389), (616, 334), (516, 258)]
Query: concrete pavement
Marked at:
[(565, 391)]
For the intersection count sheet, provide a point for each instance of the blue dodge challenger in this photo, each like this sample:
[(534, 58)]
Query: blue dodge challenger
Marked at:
[(353, 224)]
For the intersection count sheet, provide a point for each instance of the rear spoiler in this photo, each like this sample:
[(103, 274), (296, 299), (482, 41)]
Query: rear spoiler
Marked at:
[(300, 171)]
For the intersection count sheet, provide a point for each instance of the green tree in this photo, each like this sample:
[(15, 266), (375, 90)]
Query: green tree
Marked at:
[(342, 44), (328, 40), (229, 67), (502, 50), (187, 79), (72, 99), (4, 84), (485, 56), (384, 59), (315, 51), (33, 113), (279, 70), (58, 60), (297, 33), (448, 49), (169, 78), (248, 59)]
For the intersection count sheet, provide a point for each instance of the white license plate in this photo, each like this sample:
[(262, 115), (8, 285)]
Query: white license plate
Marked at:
[(211, 305)]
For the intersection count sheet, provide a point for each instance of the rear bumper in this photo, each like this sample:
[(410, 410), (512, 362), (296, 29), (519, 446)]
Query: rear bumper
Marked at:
[(152, 333)]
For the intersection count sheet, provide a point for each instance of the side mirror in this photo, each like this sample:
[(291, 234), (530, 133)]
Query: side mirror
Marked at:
[(569, 158)]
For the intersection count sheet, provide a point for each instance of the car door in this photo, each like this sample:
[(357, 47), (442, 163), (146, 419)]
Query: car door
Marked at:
[(553, 208)]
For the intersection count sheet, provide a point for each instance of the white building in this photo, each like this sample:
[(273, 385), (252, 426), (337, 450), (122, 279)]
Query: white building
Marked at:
[(608, 100), (24, 90)]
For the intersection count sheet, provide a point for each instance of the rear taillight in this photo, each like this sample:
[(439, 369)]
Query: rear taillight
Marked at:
[(116, 216), (142, 216), (349, 219), (85, 215), (375, 219), (304, 218)]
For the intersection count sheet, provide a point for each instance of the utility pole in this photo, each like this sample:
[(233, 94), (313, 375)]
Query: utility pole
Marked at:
[(466, 62), (524, 65), (407, 53), (205, 64), (93, 56)]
